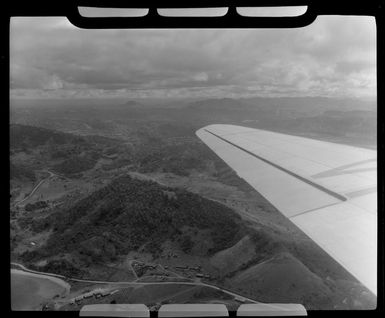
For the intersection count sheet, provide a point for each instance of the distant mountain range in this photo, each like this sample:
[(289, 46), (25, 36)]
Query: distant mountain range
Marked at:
[(132, 103), (303, 105)]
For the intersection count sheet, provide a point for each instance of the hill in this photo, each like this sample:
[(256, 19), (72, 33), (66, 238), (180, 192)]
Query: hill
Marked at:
[(350, 121), (130, 214), (252, 248), (306, 106), (219, 104), (231, 259), (21, 172), (24, 136), (35, 148), (133, 103), (284, 279)]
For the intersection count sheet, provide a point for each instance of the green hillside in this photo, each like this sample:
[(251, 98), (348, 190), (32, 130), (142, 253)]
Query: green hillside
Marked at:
[(23, 136), (64, 153), (21, 172), (284, 279), (129, 214)]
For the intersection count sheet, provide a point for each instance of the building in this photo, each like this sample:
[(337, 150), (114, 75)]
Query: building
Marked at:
[(79, 298), (239, 299), (88, 295), (105, 293)]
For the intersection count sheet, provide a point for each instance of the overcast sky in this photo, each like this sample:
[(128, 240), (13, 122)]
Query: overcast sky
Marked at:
[(334, 56)]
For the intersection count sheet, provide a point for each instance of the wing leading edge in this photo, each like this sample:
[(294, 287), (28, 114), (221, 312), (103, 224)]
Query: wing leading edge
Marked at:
[(328, 190)]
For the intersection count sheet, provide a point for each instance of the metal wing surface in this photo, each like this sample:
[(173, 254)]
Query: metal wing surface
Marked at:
[(328, 190)]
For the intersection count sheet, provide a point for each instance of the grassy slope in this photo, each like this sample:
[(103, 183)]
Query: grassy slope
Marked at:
[(284, 279)]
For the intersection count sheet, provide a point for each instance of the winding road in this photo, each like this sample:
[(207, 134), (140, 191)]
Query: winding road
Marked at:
[(136, 283), (51, 174)]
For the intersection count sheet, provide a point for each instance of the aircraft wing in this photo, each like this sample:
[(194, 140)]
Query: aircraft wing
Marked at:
[(328, 190)]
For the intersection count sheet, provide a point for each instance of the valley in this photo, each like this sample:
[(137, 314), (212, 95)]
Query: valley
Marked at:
[(131, 195)]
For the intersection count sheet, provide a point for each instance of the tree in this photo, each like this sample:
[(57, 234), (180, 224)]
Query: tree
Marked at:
[(186, 244)]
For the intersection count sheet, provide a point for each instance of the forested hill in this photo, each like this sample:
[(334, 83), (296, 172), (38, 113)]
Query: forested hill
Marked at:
[(20, 172), (64, 153), (129, 214), (24, 136)]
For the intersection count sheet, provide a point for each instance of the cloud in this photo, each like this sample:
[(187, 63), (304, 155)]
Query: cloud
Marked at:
[(333, 56)]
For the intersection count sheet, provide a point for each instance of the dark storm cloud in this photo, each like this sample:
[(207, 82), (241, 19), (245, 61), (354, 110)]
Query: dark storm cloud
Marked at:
[(50, 55)]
